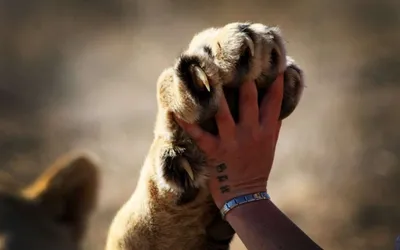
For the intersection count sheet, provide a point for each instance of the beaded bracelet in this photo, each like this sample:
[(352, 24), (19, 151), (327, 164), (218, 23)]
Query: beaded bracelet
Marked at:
[(243, 199)]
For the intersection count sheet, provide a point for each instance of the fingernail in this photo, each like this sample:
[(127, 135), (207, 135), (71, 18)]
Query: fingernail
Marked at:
[(181, 123), (177, 119), (193, 131)]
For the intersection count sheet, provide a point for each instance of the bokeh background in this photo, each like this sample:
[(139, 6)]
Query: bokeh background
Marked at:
[(82, 74)]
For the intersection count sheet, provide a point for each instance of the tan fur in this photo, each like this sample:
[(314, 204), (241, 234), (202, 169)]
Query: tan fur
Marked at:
[(169, 210), (51, 213)]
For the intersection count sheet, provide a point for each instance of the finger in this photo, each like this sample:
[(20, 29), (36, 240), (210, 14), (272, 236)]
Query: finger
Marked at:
[(226, 124), (271, 103), (204, 140), (248, 107), (276, 135), (277, 131)]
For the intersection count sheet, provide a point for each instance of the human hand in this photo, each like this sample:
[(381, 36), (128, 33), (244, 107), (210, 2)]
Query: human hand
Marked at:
[(241, 156)]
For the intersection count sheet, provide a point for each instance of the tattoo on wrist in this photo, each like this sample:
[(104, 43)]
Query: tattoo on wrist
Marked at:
[(221, 168), (222, 178), (224, 189)]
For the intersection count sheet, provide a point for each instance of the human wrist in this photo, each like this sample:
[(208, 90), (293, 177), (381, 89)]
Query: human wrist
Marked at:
[(243, 200), (243, 210), (221, 199)]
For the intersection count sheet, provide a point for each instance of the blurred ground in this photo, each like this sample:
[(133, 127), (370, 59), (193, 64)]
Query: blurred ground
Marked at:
[(82, 74)]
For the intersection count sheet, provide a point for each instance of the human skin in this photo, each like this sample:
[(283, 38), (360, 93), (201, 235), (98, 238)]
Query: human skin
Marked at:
[(240, 161)]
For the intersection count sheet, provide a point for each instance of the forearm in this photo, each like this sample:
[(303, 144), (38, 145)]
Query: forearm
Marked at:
[(261, 225)]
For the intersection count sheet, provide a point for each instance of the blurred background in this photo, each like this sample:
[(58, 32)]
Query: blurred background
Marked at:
[(82, 74)]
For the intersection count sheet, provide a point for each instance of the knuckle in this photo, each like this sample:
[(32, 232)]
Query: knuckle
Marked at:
[(256, 135), (229, 147), (266, 133), (224, 117), (226, 123), (249, 96)]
